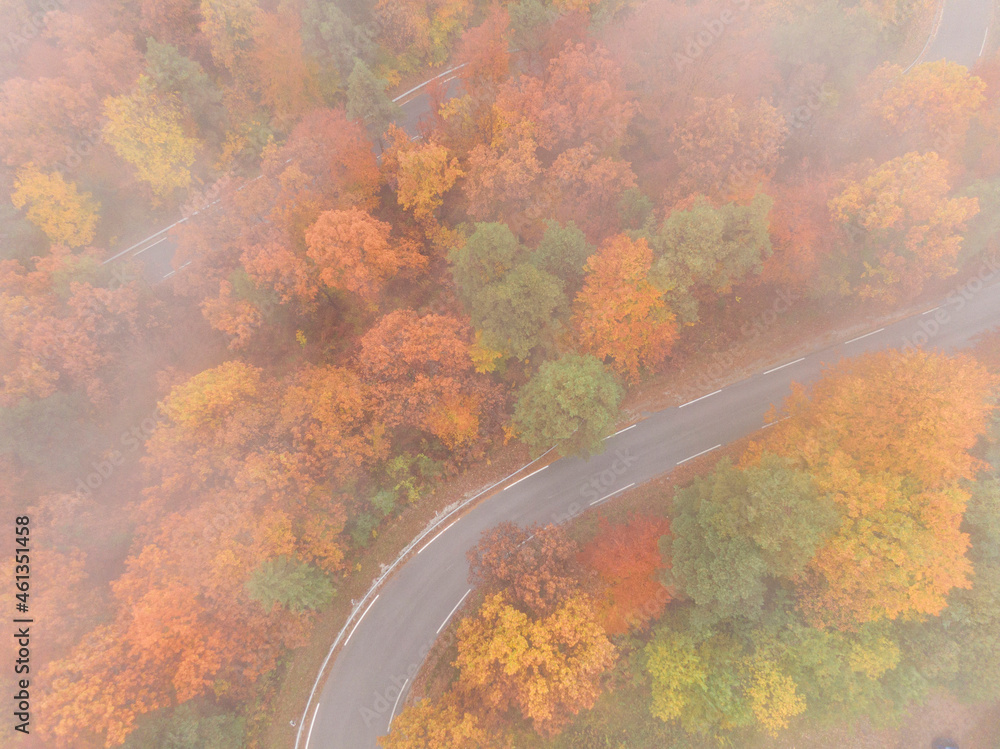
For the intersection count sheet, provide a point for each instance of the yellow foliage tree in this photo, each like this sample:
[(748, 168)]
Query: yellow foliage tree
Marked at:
[(55, 206), (935, 99), (146, 130), (906, 223), (425, 174)]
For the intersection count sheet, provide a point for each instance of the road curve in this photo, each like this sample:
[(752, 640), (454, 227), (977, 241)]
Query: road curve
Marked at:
[(372, 672), (371, 675), (154, 255), (962, 33)]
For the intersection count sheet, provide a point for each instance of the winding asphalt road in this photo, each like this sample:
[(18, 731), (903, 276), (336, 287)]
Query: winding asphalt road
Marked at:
[(387, 641), (153, 256), (962, 33)]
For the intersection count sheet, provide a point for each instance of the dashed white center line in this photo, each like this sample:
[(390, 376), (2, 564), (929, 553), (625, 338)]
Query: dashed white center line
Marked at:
[(864, 336), (526, 477), (598, 501), (931, 310), (775, 369), (983, 48), (700, 399), (359, 620), (699, 454), (392, 715), (437, 536), (448, 618)]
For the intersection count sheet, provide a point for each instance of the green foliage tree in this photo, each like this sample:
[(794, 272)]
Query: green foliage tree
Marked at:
[(563, 251), (146, 130), (176, 75), (186, 727), (709, 246), (571, 402), (487, 255), (516, 312), (735, 529), (334, 40), (368, 101), (293, 584)]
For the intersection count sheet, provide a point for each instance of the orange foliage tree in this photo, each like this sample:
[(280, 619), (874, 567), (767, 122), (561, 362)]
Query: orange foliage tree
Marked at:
[(535, 569), (422, 376), (581, 99), (627, 559), (353, 251), (904, 223), (934, 102), (724, 149), (547, 668), (887, 437), (619, 314)]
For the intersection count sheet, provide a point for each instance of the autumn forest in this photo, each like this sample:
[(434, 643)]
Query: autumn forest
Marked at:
[(416, 244)]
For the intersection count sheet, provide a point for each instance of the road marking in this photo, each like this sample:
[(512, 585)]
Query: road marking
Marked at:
[(785, 365), (393, 713), (526, 477), (359, 620), (766, 426), (526, 540), (448, 618), (168, 275), (437, 536), (931, 310), (701, 398), (700, 454), (620, 431), (864, 336), (598, 501), (983, 48), (150, 247)]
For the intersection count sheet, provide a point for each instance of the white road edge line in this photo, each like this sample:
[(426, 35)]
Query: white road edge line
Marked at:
[(159, 241), (359, 620), (620, 431), (385, 574), (699, 454), (525, 477), (983, 48), (598, 501), (700, 399), (931, 310), (767, 426), (448, 618), (437, 536), (864, 336), (392, 715), (775, 369)]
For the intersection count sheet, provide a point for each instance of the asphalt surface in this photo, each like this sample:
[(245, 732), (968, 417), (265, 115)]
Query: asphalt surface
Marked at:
[(962, 33), (372, 673), (153, 257)]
